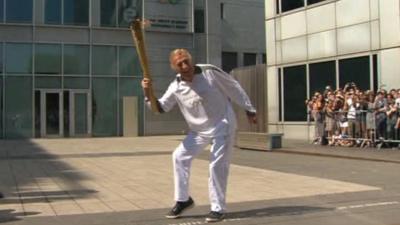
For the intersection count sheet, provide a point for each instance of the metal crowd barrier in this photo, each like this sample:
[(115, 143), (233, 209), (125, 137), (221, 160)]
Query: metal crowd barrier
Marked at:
[(360, 128)]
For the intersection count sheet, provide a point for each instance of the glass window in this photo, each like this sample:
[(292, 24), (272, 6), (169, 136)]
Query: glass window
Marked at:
[(264, 58), (1, 10), (310, 2), (127, 10), (355, 70), (1, 107), (222, 11), (199, 26), (130, 87), (18, 58), (108, 13), (294, 93), (104, 60), (47, 59), (76, 12), (18, 107), (288, 5), (229, 61), (129, 64), (1, 58), (76, 82), (47, 82), (52, 12), (19, 11), (104, 106), (76, 59), (249, 59), (321, 75)]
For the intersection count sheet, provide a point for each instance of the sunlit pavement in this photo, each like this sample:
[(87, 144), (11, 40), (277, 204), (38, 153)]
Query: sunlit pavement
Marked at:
[(129, 181)]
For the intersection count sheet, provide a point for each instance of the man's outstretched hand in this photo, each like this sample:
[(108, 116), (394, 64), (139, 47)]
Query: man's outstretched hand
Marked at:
[(251, 117)]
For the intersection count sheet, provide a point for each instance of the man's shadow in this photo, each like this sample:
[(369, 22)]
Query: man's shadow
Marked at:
[(269, 212), (8, 215)]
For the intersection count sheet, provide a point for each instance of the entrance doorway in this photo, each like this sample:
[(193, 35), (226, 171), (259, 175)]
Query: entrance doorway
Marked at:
[(62, 113)]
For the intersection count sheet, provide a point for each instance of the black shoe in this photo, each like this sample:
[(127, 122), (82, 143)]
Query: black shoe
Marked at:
[(179, 207), (1, 195), (215, 217)]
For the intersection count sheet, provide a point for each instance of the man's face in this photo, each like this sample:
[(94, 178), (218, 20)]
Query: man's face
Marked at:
[(182, 63)]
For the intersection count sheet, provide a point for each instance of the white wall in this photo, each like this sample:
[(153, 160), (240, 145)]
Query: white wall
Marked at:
[(333, 30), (389, 23), (390, 68)]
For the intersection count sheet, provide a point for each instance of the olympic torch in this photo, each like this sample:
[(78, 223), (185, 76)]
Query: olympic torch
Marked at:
[(136, 28)]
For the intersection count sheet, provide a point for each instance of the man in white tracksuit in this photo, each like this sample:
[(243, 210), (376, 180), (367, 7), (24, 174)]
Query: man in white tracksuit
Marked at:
[(204, 94)]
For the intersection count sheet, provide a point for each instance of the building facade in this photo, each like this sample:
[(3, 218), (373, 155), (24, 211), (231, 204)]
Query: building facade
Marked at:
[(68, 68), (315, 43)]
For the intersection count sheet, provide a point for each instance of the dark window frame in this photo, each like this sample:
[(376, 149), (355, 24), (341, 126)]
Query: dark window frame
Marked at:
[(249, 59), (350, 69), (289, 5), (227, 67), (312, 2), (281, 7), (294, 109), (316, 70), (199, 21)]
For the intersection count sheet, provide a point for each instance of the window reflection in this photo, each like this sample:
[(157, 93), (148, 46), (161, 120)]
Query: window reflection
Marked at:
[(47, 59), (1, 58), (76, 59), (104, 105), (1, 10), (76, 12), (1, 107), (53, 12), (128, 62), (18, 58), (18, 107), (108, 13), (19, 11), (104, 60), (127, 10)]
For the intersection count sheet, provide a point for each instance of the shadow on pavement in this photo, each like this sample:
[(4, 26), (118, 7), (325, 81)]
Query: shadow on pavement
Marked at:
[(8, 215), (28, 169), (46, 196), (276, 211), (269, 212)]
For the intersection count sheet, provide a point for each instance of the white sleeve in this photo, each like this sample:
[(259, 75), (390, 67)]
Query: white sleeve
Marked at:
[(231, 88), (168, 100)]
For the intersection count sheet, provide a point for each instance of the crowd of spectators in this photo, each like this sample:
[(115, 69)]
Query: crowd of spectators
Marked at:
[(349, 116)]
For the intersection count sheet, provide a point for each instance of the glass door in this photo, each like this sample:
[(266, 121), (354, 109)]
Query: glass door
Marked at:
[(51, 114)]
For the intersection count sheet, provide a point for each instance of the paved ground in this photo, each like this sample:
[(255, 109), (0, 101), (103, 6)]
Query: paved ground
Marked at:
[(129, 181)]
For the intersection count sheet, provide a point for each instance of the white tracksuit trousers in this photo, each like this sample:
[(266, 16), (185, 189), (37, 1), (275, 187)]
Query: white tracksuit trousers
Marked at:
[(192, 145)]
